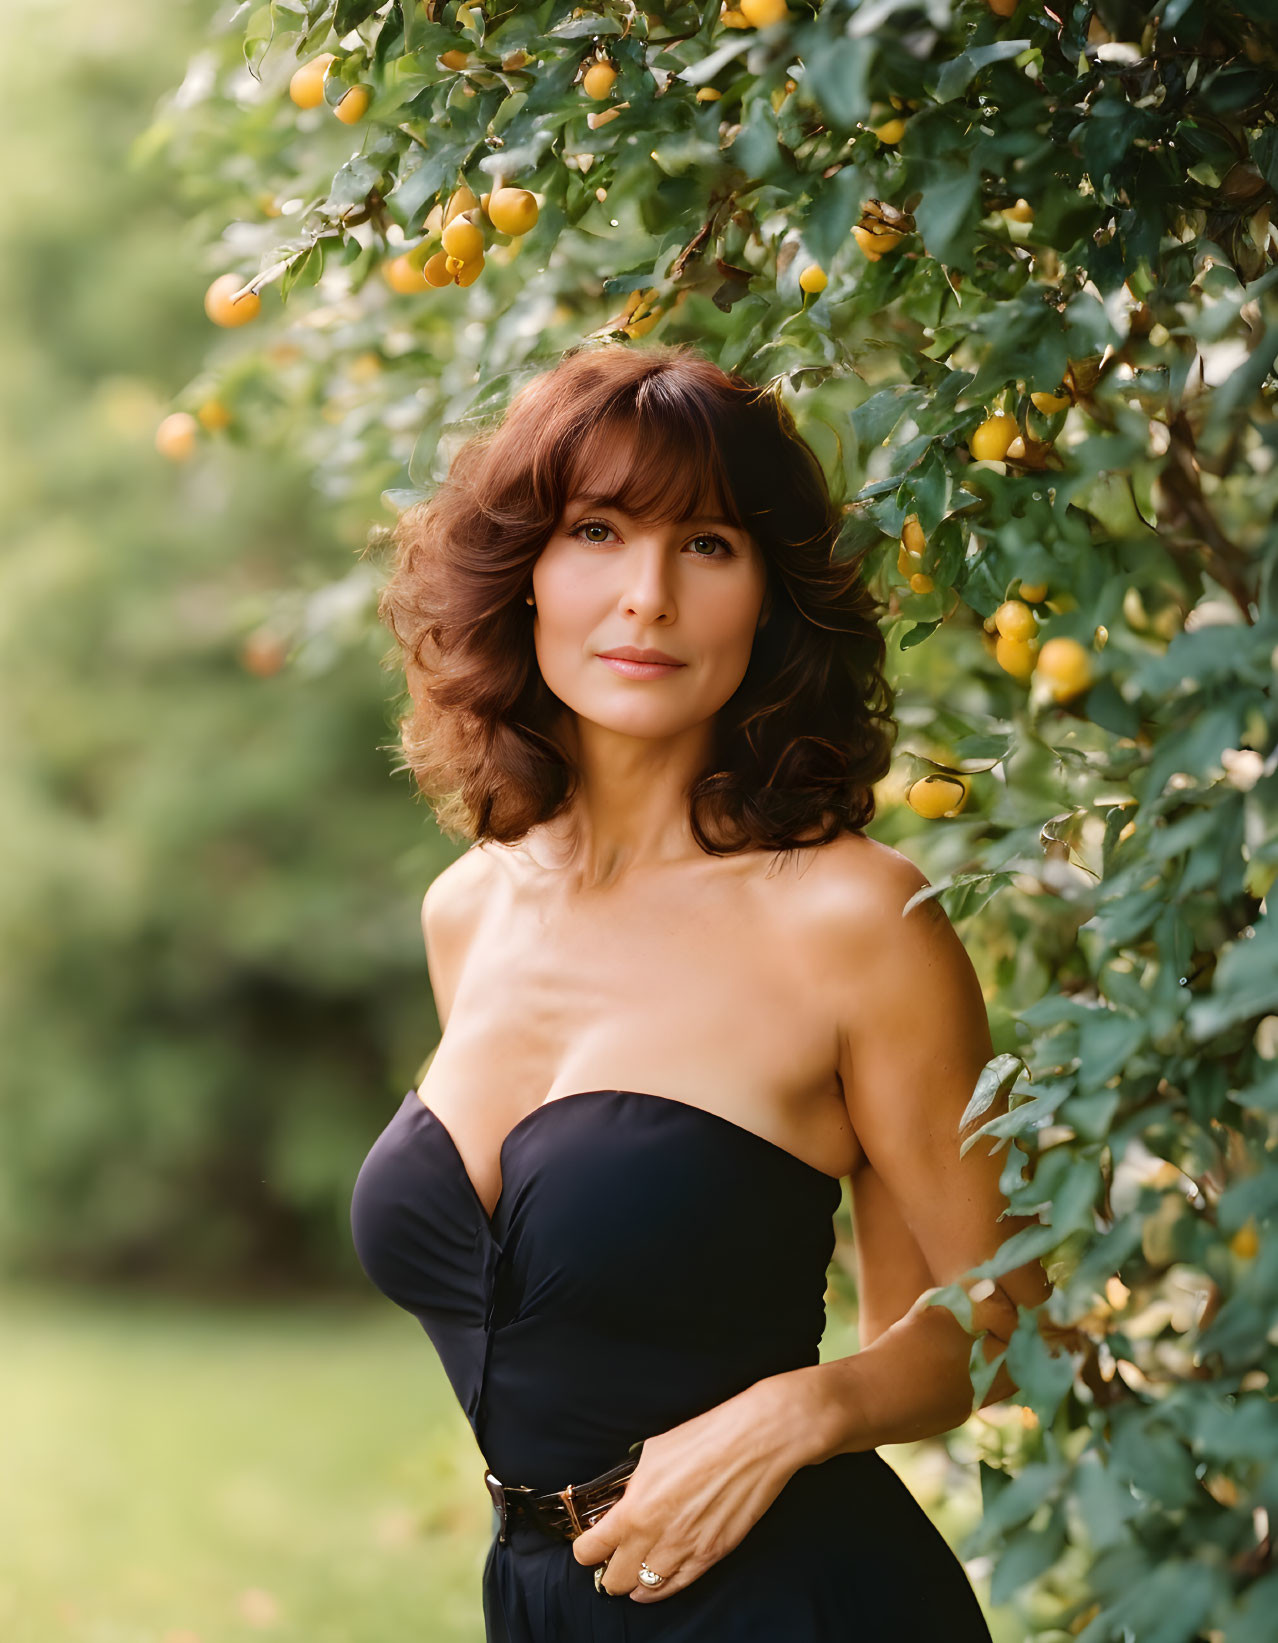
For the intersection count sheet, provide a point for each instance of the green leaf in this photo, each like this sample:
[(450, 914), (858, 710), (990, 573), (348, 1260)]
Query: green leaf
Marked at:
[(949, 211), (836, 77), (1043, 1379), (996, 1078), (259, 31), (577, 28), (957, 75), (874, 420), (1245, 984), (305, 270), (351, 12), (353, 182), (701, 73), (915, 635)]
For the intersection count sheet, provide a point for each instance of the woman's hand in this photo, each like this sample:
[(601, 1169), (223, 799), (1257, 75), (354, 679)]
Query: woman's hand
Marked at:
[(696, 1491)]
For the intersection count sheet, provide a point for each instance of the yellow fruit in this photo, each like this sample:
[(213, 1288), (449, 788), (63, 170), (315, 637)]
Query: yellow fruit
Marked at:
[(1014, 656), (936, 796), (912, 537), (1002, 8), (731, 18), (175, 437), (873, 243), (891, 131), (306, 88), (813, 278), (1033, 592), (707, 94), (463, 238), (990, 441), (402, 276), (1049, 404), (470, 270), (761, 14), (921, 582), (598, 79), (1245, 1243), (1066, 667), (461, 199), (263, 653), (222, 310), (640, 327), (213, 416), (1022, 211), (515, 60), (435, 270), (454, 58), (1015, 620), (1030, 453), (512, 210), (353, 105), (906, 562)]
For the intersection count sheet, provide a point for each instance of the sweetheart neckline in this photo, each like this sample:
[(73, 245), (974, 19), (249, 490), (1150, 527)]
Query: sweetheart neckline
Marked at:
[(490, 1220)]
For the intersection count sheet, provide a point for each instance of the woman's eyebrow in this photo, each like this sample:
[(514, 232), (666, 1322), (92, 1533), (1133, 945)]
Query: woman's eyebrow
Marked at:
[(607, 502)]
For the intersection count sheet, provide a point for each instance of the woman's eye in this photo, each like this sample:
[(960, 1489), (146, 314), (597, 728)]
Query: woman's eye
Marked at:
[(599, 525)]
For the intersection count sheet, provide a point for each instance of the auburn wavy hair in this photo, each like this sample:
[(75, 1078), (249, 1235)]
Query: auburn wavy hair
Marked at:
[(809, 730)]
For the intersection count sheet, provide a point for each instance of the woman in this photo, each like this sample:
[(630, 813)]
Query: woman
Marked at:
[(652, 696)]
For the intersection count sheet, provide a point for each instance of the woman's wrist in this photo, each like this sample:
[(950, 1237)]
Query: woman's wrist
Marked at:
[(801, 1422)]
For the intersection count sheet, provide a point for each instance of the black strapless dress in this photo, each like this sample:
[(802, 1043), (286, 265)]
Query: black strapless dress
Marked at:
[(646, 1260)]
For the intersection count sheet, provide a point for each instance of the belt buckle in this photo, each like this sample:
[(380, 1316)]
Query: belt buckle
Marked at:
[(500, 1493), (584, 1514), (565, 1494)]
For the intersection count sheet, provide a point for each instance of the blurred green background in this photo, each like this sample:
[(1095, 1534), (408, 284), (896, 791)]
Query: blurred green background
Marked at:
[(214, 993)]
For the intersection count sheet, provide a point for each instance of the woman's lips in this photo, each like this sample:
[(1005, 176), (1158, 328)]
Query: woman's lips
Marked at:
[(640, 670)]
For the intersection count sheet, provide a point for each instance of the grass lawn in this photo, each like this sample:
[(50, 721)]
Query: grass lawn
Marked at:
[(181, 1472)]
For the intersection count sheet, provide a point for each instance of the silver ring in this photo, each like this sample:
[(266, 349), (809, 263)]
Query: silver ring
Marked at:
[(649, 1576), (601, 1570)]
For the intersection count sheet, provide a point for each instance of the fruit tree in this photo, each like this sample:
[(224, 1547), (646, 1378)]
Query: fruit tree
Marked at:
[(1013, 266)]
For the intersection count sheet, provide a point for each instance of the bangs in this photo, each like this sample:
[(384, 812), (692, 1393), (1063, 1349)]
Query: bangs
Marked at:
[(653, 468)]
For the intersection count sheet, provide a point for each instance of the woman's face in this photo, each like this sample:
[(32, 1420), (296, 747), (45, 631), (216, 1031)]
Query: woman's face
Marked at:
[(692, 589)]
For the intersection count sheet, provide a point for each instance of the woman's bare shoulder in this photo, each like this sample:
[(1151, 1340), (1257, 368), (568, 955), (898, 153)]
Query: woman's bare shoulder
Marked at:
[(456, 897), (845, 901), (852, 873)]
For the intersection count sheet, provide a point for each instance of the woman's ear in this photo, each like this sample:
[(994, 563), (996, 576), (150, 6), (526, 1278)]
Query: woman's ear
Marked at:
[(765, 610)]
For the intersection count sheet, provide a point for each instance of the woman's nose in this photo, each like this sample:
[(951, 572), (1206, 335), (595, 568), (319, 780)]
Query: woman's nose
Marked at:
[(648, 590)]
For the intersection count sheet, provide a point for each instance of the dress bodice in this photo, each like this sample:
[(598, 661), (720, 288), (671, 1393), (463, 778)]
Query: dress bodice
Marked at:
[(645, 1260)]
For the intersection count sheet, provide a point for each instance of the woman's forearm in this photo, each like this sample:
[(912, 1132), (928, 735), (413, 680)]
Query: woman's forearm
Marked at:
[(911, 1382)]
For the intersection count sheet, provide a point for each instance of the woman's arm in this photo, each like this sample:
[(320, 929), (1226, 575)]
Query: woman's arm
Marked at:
[(913, 1038), (891, 1272)]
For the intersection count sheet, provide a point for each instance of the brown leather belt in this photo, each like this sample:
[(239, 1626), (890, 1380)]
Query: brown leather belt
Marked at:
[(564, 1513)]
